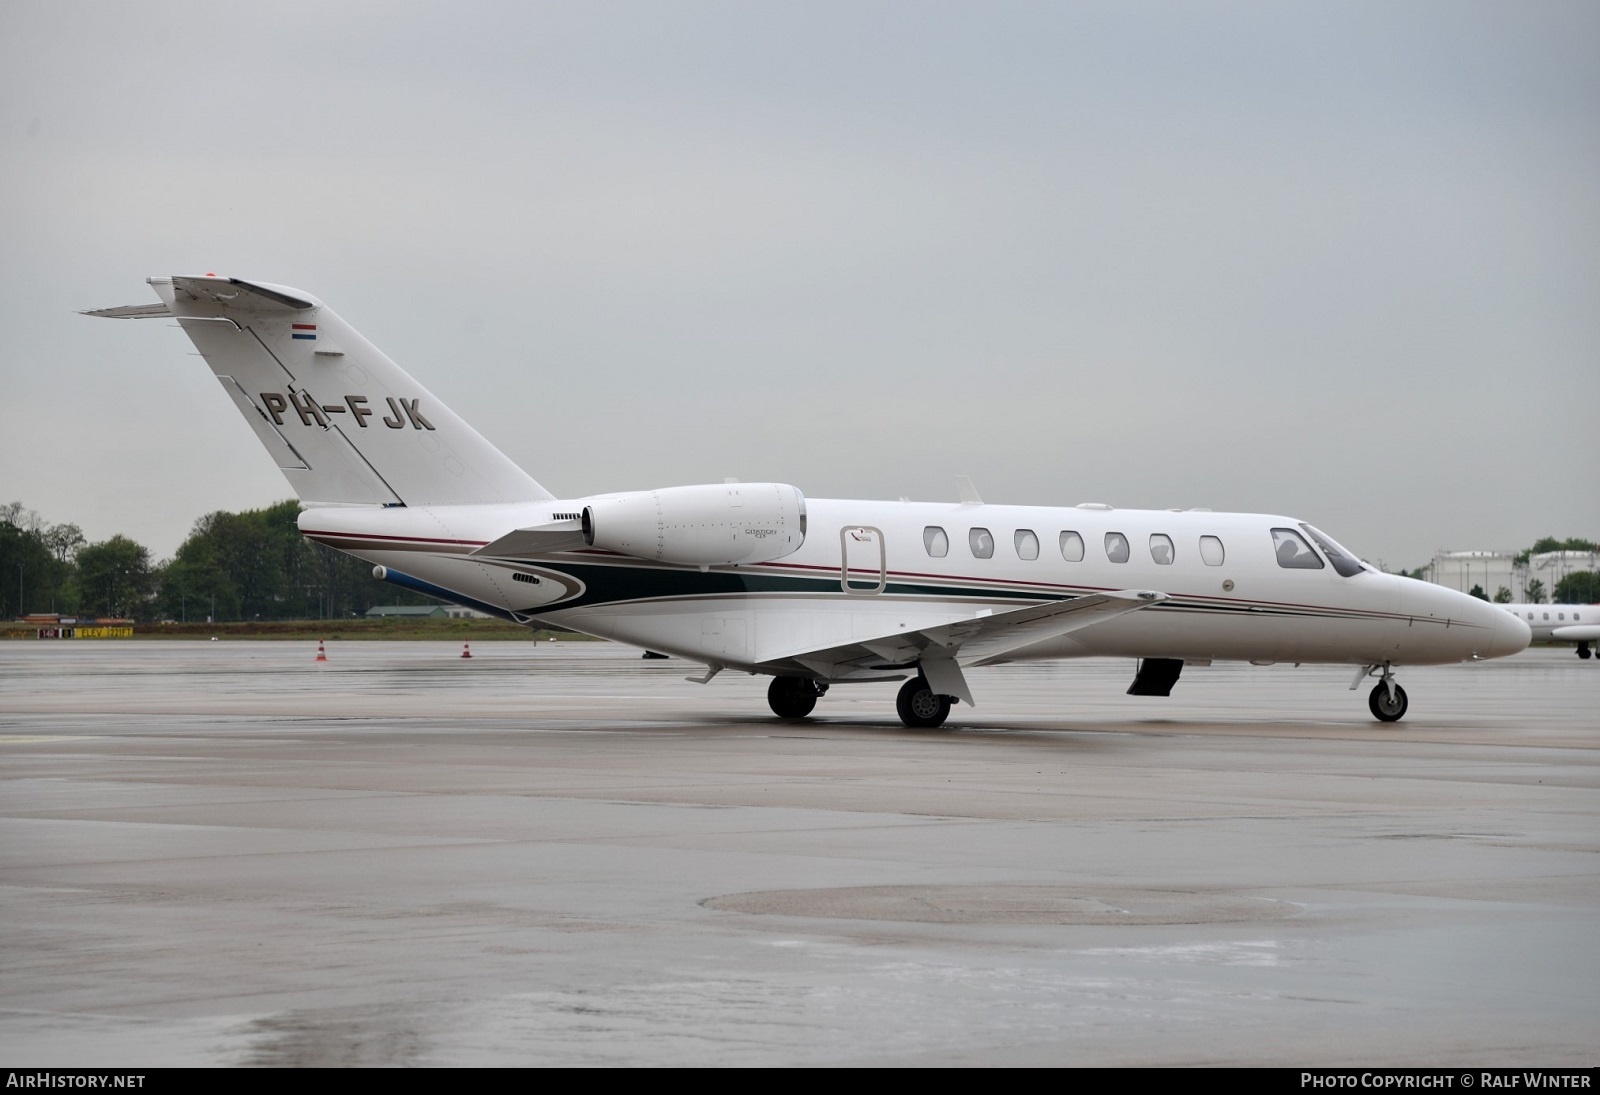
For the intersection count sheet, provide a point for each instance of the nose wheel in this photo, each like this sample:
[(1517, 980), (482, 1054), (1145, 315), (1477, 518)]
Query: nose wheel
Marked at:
[(1387, 706), (1387, 700)]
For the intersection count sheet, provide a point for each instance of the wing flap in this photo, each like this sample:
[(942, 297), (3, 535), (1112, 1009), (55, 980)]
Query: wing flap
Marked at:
[(1024, 627), (969, 640)]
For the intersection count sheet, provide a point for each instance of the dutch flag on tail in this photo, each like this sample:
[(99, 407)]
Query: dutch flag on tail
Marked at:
[(305, 330)]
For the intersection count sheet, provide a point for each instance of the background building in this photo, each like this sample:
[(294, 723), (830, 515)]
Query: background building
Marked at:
[(426, 612), (1492, 571), (1551, 566)]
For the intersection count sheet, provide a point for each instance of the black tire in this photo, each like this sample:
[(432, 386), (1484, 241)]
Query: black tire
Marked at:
[(919, 706), (791, 697), (1385, 709), (1583, 650)]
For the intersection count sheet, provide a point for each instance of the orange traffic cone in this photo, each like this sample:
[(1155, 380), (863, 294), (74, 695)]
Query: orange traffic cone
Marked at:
[(466, 650), (322, 654)]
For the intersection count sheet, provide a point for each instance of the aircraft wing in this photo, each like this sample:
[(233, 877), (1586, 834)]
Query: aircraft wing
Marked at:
[(979, 639), (537, 540)]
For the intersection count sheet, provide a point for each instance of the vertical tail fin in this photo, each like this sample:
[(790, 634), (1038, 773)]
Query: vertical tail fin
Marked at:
[(344, 423)]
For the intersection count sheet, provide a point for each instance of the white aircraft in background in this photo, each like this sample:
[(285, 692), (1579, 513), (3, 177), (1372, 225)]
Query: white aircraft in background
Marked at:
[(813, 592), (1560, 623)]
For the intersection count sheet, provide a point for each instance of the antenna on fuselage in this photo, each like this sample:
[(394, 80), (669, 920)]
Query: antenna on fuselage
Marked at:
[(968, 492)]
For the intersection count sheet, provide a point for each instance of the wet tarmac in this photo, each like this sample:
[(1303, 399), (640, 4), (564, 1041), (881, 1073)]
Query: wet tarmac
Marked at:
[(561, 854)]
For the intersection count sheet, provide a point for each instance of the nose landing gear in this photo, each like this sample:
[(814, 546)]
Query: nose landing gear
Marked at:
[(1387, 700)]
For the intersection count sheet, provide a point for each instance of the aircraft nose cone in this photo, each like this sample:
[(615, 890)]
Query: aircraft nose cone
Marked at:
[(1510, 636)]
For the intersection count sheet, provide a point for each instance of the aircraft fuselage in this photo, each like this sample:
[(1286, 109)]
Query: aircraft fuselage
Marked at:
[(1243, 605)]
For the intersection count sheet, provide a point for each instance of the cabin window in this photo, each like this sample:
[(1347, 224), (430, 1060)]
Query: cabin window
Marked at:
[(1027, 544), (937, 543), (1161, 548), (981, 541), (1072, 547), (1211, 552), (1116, 547), (1293, 552)]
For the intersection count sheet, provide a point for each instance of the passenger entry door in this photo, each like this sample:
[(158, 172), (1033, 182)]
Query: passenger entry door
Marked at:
[(863, 560)]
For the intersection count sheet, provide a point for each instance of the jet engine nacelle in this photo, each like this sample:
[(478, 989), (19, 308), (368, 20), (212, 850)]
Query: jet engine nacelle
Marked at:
[(711, 525)]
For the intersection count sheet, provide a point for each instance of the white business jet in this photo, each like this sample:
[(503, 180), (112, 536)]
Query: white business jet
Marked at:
[(1560, 623), (813, 592)]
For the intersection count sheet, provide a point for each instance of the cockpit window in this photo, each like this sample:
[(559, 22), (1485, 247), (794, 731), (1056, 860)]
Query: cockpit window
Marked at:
[(1293, 552), (1345, 563)]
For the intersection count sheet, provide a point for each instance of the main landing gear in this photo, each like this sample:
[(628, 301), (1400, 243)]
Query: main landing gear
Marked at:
[(1387, 700), (1583, 649), (793, 697), (920, 707)]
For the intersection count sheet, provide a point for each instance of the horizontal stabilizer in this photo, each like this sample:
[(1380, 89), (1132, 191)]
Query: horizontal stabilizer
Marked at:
[(131, 311), (538, 540), (233, 293)]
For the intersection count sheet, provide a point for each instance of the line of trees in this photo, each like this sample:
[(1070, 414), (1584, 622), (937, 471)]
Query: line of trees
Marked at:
[(255, 565), (1581, 587), (234, 566)]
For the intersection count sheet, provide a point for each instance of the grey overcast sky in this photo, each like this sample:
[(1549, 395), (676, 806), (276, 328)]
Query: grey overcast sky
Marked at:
[(1340, 261)]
